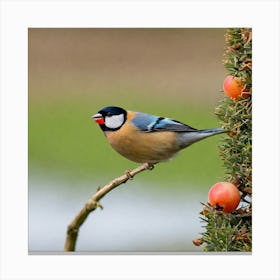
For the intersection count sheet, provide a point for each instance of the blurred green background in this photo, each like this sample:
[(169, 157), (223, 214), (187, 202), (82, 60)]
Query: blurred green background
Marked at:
[(73, 72)]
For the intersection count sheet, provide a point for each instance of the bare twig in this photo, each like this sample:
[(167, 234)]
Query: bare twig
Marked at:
[(93, 203)]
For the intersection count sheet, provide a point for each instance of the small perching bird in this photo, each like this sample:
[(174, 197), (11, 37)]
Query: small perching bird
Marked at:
[(145, 138)]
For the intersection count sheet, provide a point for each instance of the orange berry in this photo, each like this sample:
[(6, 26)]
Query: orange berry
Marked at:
[(224, 196), (234, 88)]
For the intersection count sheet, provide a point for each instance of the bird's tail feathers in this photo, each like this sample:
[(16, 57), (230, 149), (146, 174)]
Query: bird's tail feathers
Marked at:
[(212, 131), (188, 138)]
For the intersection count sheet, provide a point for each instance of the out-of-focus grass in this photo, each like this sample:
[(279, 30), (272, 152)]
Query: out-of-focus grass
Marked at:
[(63, 139)]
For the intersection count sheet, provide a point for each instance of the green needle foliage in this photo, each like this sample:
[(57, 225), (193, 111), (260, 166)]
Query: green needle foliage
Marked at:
[(233, 231), (227, 232)]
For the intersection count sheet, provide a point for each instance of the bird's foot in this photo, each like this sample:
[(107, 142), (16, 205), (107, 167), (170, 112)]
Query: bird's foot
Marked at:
[(128, 174), (148, 166)]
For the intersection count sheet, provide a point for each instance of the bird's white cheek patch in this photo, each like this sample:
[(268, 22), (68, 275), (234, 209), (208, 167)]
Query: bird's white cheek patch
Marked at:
[(114, 121)]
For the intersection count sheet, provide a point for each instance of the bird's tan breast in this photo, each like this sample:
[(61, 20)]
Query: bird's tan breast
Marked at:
[(143, 147)]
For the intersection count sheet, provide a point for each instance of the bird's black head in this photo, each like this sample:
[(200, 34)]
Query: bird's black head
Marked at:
[(110, 118)]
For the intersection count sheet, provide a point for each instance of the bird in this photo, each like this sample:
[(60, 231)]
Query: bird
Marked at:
[(145, 138)]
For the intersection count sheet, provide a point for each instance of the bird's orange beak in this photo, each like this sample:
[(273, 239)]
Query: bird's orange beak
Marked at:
[(98, 119)]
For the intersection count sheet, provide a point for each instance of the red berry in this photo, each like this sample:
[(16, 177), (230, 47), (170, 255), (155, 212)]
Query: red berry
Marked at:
[(234, 87), (224, 196)]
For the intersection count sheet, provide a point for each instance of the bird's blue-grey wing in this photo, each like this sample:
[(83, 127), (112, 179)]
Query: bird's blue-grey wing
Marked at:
[(151, 123)]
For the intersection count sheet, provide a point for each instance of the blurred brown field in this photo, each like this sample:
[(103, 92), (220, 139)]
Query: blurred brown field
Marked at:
[(181, 62)]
